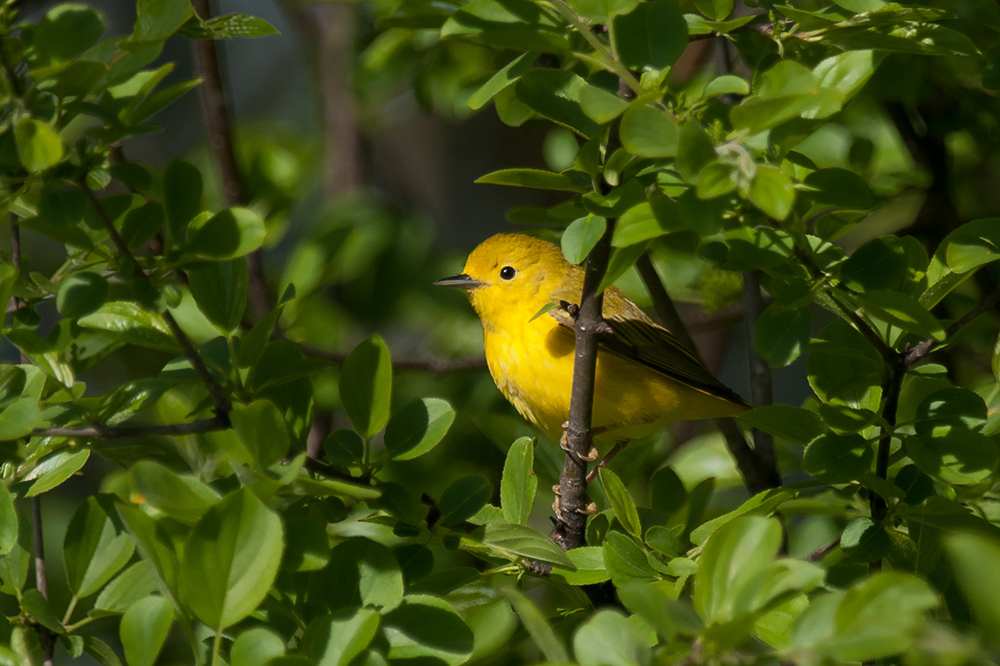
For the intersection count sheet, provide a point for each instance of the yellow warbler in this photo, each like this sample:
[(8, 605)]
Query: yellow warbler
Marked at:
[(645, 376)]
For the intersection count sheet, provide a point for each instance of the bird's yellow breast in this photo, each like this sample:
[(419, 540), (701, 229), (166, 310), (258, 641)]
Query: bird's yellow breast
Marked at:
[(532, 365)]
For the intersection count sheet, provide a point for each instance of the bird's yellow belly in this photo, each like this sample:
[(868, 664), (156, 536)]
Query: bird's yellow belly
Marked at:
[(533, 368)]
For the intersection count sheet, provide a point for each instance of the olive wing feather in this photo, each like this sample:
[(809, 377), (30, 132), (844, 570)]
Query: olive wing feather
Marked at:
[(649, 344)]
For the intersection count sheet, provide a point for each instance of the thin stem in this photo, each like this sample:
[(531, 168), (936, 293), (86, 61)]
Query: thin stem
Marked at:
[(98, 431), (69, 609), (761, 383), (891, 390), (222, 403), (216, 647), (616, 66), (431, 365), (213, 99), (570, 522), (757, 476), (45, 637)]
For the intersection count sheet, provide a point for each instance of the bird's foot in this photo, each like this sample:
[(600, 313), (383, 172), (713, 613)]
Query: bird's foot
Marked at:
[(591, 456), (588, 510)]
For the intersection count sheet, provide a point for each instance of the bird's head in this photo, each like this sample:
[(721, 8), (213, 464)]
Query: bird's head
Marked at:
[(511, 274)]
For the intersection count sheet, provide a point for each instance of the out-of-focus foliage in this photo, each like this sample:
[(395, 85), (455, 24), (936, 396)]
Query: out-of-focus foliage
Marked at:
[(846, 154)]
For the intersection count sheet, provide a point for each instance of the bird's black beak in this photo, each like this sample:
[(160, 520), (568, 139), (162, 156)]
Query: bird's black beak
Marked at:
[(462, 281)]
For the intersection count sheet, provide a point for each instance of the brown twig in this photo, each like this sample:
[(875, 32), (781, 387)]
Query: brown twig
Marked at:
[(432, 365), (757, 476), (99, 431), (761, 383), (570, 522), (213, 99), (219, 397)]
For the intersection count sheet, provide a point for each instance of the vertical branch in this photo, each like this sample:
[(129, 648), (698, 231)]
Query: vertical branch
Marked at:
[(213, 99), (757, 475), (890, 389), (341, 145), (761, 384), (45, 637), (570, 522)]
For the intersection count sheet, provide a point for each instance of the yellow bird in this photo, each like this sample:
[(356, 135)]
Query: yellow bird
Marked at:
[(645, 376)]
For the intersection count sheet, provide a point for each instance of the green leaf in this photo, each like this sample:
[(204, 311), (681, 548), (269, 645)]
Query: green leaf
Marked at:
[(229, 26), (792, 423), (608, 638), (878, 617), (463, 498), (96, 545), (129, 323), (231, 559), (840, 188), (781, 334), (362, 572), (972, 245), (625, 559), (646, 221), (589, 563), (220, 290), (335, 640), (844, 368), (969, 554), (142, 224), (536, 178), (182, 497), (182, 193), (229, 234), (555, 94), (417, 427), (18, 418), (833, 458), (144, 629), (156, 546), (38, 145), (63, 34), (505, 77), (263, 430), (134, 583), (901, 310), (772, 191), (256, 646), (617, 201), (38, 607), (653, 35), (733, 558), (717, 179), (716, 10), (600, 11), (621, 502), (8, 521), (652, 602), (601, 106), (423, 626), (514, 24), (366, 386), (158, 19), (647, 132), (55, 469), (518, 483), (537, 626), (694, 150), (864, 540), (727, 84), (581, 236), (514, 542), (954, 455)]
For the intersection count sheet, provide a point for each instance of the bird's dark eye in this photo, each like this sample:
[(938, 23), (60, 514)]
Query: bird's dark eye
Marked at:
[(508, 272)]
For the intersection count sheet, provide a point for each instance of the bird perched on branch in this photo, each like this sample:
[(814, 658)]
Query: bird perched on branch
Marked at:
[(645, 376)]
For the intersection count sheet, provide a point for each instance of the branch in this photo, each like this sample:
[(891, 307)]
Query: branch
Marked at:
[(890, 389), (222, 403), (220, 134), (761, 383), (99, 431), (570, 522), (925, 347), (432, 365), (756, 474), (765, 28)]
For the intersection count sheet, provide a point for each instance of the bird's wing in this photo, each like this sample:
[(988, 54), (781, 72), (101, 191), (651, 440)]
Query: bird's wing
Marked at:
[(651, 345)]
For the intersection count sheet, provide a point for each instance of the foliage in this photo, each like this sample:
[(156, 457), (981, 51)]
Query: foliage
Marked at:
[(214, 538)]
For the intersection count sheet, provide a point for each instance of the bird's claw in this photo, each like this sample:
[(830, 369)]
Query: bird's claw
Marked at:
[(589, 510), (591, 455)]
